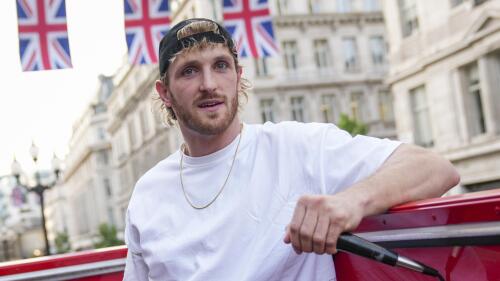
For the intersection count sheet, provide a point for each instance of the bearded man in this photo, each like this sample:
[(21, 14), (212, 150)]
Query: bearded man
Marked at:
[(256, 201)]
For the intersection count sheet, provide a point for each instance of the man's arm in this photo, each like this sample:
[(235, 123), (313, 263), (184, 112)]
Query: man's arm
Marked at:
[(410, 173)]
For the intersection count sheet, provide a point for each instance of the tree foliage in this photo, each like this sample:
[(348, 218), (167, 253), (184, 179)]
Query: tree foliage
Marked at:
[(62, 243), (107, 236), (353, 126)]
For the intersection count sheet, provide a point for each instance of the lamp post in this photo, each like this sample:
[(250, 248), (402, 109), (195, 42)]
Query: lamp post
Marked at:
[(38, 188)]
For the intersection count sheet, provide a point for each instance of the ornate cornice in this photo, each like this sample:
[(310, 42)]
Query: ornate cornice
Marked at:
[(333, 20)]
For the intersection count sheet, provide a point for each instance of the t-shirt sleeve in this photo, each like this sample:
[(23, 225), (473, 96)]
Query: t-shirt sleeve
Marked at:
[(135, 267), (345, 160), (323, 159)]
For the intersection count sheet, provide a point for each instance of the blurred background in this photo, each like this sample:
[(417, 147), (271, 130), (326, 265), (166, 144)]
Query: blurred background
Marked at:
[(75, 141)]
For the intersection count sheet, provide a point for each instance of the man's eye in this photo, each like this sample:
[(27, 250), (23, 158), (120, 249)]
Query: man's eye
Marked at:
[(221, 65), (188, 71)]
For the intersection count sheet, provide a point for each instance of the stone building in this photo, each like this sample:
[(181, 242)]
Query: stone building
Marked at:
[(83, 198), (444, 74), (138, 135)]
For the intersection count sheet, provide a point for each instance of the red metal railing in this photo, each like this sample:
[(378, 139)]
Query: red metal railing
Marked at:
[(467, 225)]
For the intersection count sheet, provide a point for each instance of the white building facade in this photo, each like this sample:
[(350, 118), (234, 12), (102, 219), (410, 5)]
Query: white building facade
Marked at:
[(138, 134), (445, 69), (83, 199)]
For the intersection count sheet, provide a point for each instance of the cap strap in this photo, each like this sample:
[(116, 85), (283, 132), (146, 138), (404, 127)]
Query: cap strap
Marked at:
[(189, 40)]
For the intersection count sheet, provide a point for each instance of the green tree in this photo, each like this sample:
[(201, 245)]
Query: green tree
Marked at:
[(353, 126), (62, 243), (107, 237)]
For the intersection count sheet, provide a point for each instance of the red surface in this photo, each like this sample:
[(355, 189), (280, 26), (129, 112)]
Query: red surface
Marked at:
[(455, 263), (55, 261), (466, 208), (469, 263), (117, 276)]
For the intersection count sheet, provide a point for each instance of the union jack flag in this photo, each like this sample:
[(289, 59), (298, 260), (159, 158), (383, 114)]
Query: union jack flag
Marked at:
[(250, 25), (43, 35), (146, 22)]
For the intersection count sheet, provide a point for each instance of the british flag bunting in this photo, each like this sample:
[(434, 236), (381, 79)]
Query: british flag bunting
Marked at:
[(146, 22), (43, 35), (250, 25)]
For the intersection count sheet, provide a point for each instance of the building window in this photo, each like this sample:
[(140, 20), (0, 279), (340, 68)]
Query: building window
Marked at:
[(372, 5), (145, 129), (101, 133), (261, 68), (102, 158), (377, 50), (322, 53), (386, 110), (455, 3), (124, 180), (282, 6), (409, 16), (290, 53), (351, 63), (344, 6), (358, 106), (473, 101), (479, 2), (107, 187), (421, 121), (329, 108), (81, 206), (267, 110), (131, 132), (111, 217), (297, 105), (314, 6)]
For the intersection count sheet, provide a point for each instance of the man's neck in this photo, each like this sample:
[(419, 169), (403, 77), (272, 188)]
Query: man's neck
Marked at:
[(200, 145)]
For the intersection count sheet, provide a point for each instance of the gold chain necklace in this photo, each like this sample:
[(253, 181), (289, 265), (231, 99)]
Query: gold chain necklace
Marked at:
[(183, 149)]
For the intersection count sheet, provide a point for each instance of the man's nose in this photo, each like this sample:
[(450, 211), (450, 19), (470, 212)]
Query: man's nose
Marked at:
[(208, 83)]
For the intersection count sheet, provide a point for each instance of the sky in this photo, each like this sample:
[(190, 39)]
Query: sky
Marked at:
[(41, 106)]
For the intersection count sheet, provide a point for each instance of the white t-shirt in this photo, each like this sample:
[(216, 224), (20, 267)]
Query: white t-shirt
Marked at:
[(240, 236)]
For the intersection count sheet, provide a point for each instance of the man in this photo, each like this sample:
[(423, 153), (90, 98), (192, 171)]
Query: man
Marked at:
[(256, 202)]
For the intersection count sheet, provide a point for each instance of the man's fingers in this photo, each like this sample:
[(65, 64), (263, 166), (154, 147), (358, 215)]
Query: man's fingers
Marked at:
[(320, 234), (331, 239), (295, 225), (307, 230), (287, 238)]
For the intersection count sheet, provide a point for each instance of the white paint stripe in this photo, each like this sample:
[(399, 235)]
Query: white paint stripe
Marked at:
[(69, 272), (434, 232)]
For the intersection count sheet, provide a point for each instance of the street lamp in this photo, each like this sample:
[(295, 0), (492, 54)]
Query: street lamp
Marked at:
[(38, 188)]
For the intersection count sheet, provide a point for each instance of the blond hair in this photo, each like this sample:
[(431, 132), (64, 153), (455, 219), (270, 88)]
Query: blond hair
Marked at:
[(194, 45)]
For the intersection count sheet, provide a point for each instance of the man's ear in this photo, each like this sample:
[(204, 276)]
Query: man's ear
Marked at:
[(239, 72), (163, 93)]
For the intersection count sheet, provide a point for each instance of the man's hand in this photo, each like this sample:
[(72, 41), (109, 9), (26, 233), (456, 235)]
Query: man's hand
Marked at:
[(318, 221)]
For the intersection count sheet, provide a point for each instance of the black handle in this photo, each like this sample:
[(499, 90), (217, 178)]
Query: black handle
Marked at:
[(353, 244)]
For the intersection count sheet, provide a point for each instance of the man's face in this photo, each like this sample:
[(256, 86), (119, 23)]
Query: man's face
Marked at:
[(202, 89)]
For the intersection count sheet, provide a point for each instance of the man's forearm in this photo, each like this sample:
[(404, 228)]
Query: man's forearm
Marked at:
[(410, 173)]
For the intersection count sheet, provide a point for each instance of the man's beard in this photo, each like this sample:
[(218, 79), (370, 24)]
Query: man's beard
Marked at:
[(211, 123)]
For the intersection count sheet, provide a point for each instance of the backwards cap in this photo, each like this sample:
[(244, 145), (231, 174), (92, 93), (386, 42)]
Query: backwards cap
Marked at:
[(171, 44)]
